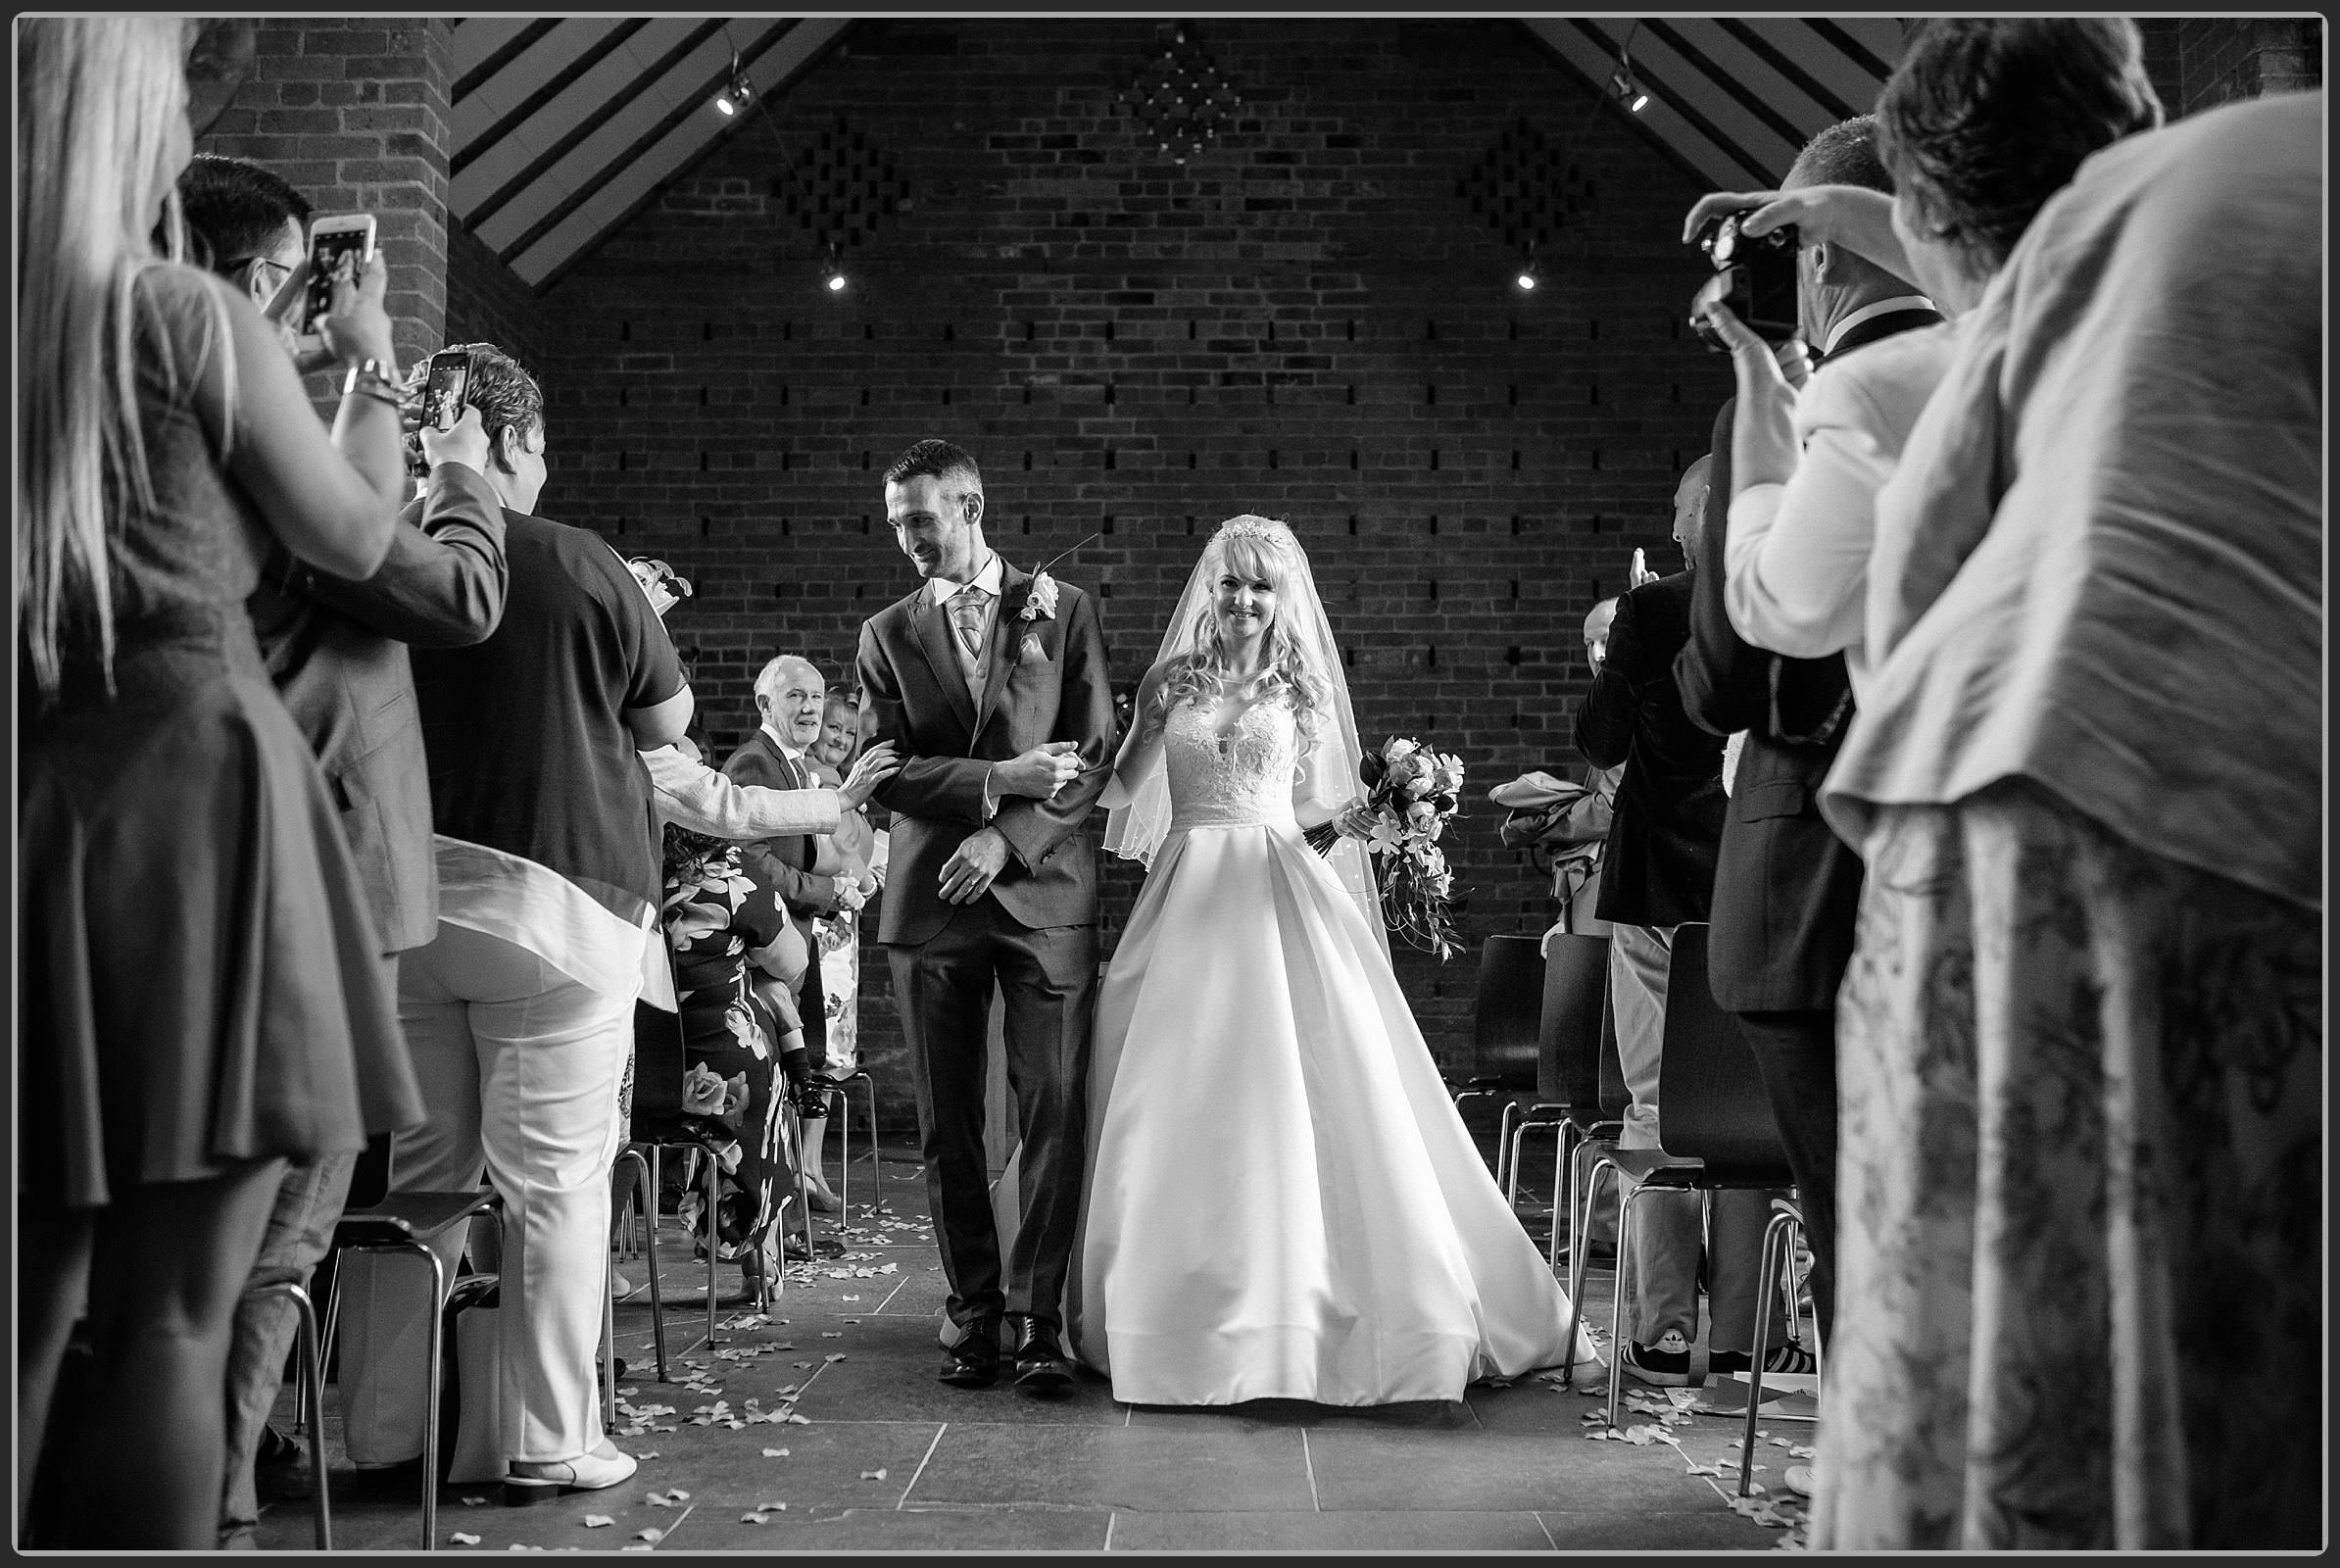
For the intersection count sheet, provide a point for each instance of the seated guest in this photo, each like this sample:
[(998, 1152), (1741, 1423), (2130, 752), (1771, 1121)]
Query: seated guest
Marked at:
[(726, 930), (519, 1011), (337, 653), (2084, 1050), (1657, 873)]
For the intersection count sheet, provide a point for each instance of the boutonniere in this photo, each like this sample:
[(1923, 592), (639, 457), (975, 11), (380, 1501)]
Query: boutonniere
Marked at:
[(1040, 600)]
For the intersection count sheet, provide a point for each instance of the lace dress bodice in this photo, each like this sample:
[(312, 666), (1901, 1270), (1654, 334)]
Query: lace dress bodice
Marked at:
[(1241, 780)]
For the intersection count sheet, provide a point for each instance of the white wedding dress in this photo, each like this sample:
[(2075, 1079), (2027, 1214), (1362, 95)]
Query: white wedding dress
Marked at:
[(1281, 1201)]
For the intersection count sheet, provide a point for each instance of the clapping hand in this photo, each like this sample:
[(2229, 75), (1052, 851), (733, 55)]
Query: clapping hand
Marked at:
[(870, 769), (1638, 572)]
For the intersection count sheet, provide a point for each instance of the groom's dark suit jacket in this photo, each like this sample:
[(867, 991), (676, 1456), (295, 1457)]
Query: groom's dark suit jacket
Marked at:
[(1048, 683)]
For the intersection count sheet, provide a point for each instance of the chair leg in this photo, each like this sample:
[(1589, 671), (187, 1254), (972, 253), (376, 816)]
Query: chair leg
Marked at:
[(714, 1195), (1576, 1279), (1503, 1140), (844, 1152), (308, 1396), (650, 1248), (430, 1402), (1617, 1330), (1563, 1174), (1766, 1280)]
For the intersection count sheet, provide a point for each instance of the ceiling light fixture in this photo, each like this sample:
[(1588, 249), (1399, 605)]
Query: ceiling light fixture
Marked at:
[(833, 275), (737, 91), (1622, 82)]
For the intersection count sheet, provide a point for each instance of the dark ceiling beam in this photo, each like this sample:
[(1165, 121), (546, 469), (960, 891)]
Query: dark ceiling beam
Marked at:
[(693, 102), (766, 94), (1753, 102), (591, 55), (1850, 47), (1725, 144), (518, 45), (641, 83), (1756, 44)]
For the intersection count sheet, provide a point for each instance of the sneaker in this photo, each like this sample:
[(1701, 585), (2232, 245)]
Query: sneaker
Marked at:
[(1790, 1358), (1666, 1363)]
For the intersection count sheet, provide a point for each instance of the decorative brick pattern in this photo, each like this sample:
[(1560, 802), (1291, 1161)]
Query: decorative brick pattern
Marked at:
[(1306, 321)]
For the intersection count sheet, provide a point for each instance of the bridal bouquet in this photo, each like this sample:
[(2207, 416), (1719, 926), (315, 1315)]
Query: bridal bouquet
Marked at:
[(1412, 792)]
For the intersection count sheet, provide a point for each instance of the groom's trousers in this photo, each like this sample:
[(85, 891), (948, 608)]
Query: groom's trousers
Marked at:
[(942, 990)]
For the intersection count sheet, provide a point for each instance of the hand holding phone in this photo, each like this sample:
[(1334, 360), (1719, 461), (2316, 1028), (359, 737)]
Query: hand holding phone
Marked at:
[(444, 386), (463, 441)]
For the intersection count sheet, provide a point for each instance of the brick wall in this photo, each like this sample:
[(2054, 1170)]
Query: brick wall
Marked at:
[(1308, 321), (487, 303), (2201, 62), (353, 111)]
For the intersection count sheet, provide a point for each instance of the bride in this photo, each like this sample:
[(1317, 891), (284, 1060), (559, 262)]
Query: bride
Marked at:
[(1281, 1201)]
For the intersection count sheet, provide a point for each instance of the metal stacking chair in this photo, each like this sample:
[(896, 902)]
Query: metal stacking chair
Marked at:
[(378, 1220), (845, 1138), (1581, 1086), (1507, 1022), (309, 1393), (1716, 1121), (1780, 1239)]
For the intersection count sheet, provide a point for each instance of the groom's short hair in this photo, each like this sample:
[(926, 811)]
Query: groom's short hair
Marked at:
[(933, 459)]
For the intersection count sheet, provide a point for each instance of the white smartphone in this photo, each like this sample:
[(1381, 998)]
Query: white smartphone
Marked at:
[(340, 245)]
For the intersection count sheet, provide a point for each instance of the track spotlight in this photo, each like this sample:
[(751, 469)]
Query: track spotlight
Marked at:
[(1628, 91), (833, 276), (1527, 278), (737, 90)]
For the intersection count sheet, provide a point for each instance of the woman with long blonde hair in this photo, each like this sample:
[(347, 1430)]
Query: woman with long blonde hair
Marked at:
[(201, 994)]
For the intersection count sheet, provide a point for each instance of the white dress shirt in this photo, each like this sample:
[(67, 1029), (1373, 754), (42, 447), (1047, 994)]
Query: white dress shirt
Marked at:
[(1796, 557)]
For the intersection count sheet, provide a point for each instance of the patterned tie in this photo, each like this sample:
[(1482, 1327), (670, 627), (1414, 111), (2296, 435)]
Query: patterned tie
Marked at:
[(966, 617)]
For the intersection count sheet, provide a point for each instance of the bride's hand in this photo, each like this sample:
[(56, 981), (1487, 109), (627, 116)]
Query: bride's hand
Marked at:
[(1355, 820)]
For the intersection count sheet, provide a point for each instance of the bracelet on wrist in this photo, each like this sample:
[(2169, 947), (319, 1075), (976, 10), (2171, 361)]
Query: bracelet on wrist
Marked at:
[(375, 379)]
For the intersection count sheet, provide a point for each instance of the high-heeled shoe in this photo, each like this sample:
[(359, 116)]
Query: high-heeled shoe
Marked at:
[(818, 1198)]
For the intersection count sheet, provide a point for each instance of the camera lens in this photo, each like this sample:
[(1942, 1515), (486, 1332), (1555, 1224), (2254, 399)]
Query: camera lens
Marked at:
[(1725, 242)]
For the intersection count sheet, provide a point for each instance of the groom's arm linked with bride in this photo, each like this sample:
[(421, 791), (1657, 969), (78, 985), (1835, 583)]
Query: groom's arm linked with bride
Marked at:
[(1003, 718)]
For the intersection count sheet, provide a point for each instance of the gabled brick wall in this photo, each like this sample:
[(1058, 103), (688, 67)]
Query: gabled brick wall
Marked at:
[(1309, 323)]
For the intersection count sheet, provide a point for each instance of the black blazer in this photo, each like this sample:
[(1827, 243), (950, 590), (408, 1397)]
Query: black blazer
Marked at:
[(1785, 887), (785, 865), (1658, 868)]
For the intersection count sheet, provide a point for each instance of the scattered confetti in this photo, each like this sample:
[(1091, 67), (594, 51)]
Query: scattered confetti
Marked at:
[(460, 1539), (775, 1453), (474, 1503), (654, 1534), (599, 1520), (873, 1475)]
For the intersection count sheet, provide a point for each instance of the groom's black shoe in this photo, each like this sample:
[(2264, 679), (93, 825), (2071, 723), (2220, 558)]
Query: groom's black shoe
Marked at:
[(974, 1361), (1039, 1364)]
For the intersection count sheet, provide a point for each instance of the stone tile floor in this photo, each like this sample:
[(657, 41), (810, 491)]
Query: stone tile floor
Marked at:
[(859, 1448)]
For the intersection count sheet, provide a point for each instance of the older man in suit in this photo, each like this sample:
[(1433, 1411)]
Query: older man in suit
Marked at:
[(1657, 874), (337, 653), (992, 685), (1786, 888)]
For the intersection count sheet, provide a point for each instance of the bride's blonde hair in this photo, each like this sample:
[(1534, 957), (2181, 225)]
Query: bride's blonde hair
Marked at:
[(1250, 547), (96, 98)]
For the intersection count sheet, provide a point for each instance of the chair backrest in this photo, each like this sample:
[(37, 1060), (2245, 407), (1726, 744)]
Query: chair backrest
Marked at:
[(1712, 1104), (1576, 988), (369, 1178), (1507, 1019), (660, 1067), (1615, 1097)]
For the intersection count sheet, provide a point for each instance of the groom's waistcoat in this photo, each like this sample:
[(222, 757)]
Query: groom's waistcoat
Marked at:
[(1047, 683)]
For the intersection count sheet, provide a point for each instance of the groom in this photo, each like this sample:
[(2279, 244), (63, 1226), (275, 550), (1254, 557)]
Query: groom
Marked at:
[(992, 686)]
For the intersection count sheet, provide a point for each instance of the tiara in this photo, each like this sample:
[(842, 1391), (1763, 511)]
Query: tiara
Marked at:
[(1249, 526)]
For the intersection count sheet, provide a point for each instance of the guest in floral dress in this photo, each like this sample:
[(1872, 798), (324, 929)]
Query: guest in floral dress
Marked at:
[(742, 1042)]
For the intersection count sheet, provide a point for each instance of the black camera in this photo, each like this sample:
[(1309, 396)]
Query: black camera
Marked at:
[(1755, 278)]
